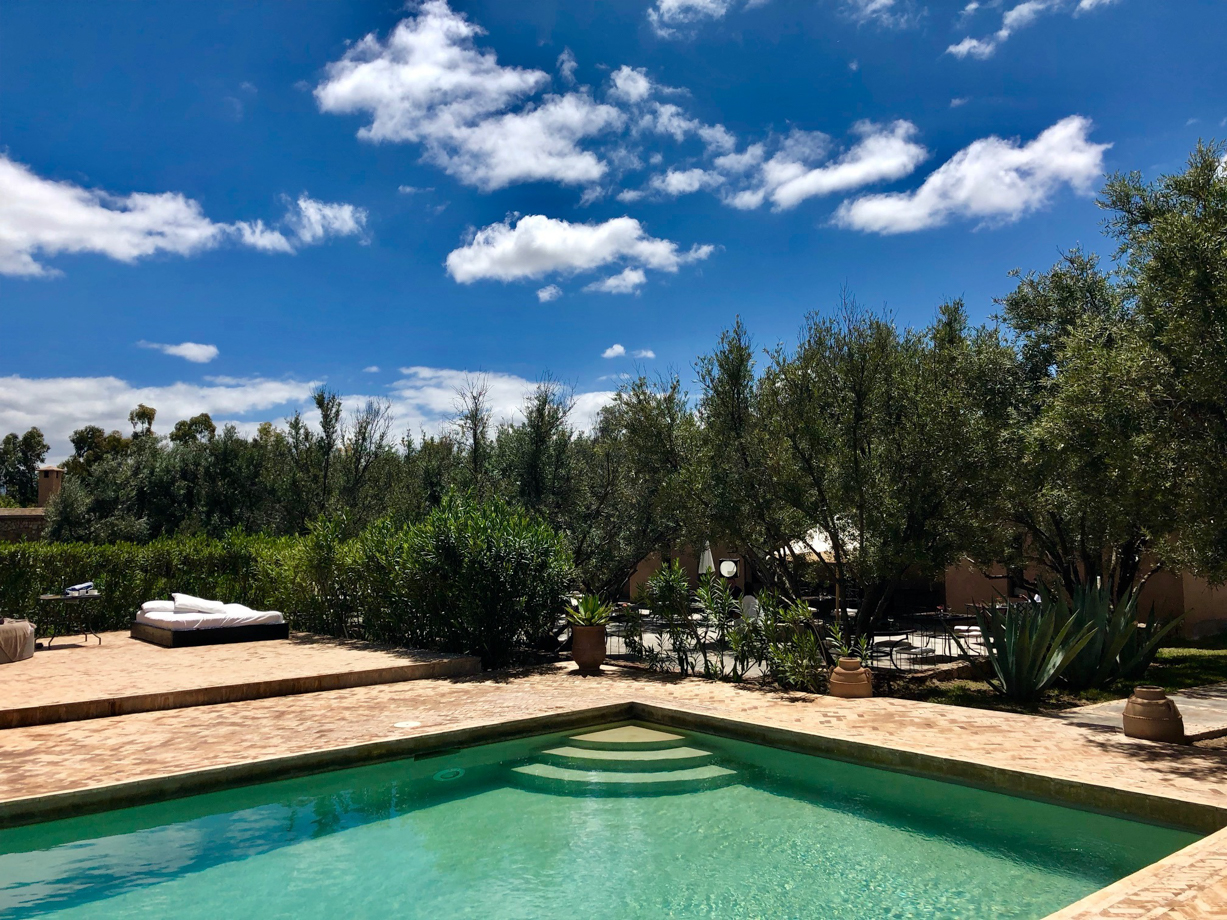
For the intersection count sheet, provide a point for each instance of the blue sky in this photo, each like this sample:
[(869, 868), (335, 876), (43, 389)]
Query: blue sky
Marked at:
[(214, 206)]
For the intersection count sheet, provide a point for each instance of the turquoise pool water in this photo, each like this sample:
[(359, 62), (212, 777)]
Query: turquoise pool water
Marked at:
[(693, 826)]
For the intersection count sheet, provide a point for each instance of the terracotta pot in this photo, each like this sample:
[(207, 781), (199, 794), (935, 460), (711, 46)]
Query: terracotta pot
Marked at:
[(1151, 716), (588, 647), (850, 681)]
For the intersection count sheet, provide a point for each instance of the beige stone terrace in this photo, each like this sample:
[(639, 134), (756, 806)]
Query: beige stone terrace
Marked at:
[(76, 678), (1043, 756)]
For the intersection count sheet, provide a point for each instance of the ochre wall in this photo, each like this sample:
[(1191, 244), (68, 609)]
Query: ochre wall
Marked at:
[(967, 584), (1206, 606), (690, 562)]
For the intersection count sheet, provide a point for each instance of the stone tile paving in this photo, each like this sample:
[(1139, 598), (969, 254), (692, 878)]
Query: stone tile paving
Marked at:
[(123, 666), (50, 758), (1204, 710)]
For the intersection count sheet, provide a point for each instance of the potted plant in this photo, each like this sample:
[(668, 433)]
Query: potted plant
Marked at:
[(588, 619), (850, 679)]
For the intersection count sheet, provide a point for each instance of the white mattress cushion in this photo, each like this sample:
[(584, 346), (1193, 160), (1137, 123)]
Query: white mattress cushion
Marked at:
[(186, 603), (158, 607), (211, 620)]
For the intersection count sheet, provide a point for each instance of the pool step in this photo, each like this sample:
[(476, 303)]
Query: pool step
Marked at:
[(627, 760), (627, 738), (565, 779)]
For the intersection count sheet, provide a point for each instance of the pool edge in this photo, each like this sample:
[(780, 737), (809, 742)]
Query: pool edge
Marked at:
[(1153, 808), (1196, 870), (109, 796)]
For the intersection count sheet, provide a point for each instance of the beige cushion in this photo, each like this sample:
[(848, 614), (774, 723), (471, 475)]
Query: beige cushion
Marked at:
[(16, 641)]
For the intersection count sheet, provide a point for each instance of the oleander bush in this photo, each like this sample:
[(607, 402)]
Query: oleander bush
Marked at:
[(478, 577), (486, 578)]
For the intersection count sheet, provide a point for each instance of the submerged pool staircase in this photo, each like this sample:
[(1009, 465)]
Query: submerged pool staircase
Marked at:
[(628, 760)]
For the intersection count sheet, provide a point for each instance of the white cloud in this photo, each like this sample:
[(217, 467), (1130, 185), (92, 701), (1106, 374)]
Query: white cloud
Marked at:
[(959, 102), (548, 293), (645, 353), (373, 369), (630, 84), (41, 217), (890, 13), (627, 281), (428, 83), (567, 66), (735, 163), (613, 351), (883, 153), (539, 144), (317, 220), (684, 182), (425, 398), (257, 235), (1016, 17), (306, 222), (189, 351), (670, 120), (992, 180), (60, 405), (670, 17), (537, 245)]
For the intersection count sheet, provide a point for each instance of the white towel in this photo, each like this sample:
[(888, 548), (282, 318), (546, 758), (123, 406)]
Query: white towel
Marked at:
[(186, 603), (158, 607)]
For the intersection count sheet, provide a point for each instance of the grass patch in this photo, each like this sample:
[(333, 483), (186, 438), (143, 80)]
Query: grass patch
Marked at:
[(1193, 663)]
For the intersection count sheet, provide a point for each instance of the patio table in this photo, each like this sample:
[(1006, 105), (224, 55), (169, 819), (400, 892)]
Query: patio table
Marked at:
[(71, 618)]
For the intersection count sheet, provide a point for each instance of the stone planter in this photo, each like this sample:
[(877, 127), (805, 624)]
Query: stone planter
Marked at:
[(1151, 716), (849, 680), (588, 647)]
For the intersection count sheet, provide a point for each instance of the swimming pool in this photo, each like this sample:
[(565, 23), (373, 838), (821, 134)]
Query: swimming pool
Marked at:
[(628, 821)]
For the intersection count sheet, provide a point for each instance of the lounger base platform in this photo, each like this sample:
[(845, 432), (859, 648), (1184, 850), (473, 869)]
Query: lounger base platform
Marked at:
[(184, 638)]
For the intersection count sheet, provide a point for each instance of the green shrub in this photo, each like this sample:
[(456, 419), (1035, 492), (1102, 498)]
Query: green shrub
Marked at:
[(1029, 644), (667, 594), (590, 611), (1119, 648), (473, 577), (792, 648), (484, 578), (239, 568)]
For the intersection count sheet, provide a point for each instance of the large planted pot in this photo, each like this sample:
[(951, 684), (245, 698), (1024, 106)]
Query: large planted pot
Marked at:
[(588, 647), (851, 680), (1151, 716)]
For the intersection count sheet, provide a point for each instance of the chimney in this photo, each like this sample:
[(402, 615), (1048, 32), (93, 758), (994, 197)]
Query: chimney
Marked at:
[(50, 479)]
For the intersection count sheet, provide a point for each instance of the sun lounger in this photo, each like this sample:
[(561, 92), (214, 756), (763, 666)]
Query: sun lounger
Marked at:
[(193, 622)]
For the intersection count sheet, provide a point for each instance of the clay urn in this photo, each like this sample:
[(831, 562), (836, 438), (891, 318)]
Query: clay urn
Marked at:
[(588, 647), (1151, 716), (850, 680)]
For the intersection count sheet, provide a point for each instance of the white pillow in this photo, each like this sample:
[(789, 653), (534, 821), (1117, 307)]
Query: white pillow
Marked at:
[(185, 603), (158, 607), (239, 609)]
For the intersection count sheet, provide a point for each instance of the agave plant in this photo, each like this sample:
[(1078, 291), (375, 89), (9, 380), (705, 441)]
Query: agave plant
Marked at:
[(1119, 647), (590, 611), (1029, 645)]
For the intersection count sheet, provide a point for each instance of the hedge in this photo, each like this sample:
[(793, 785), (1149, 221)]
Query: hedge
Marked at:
[(481, 578)]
